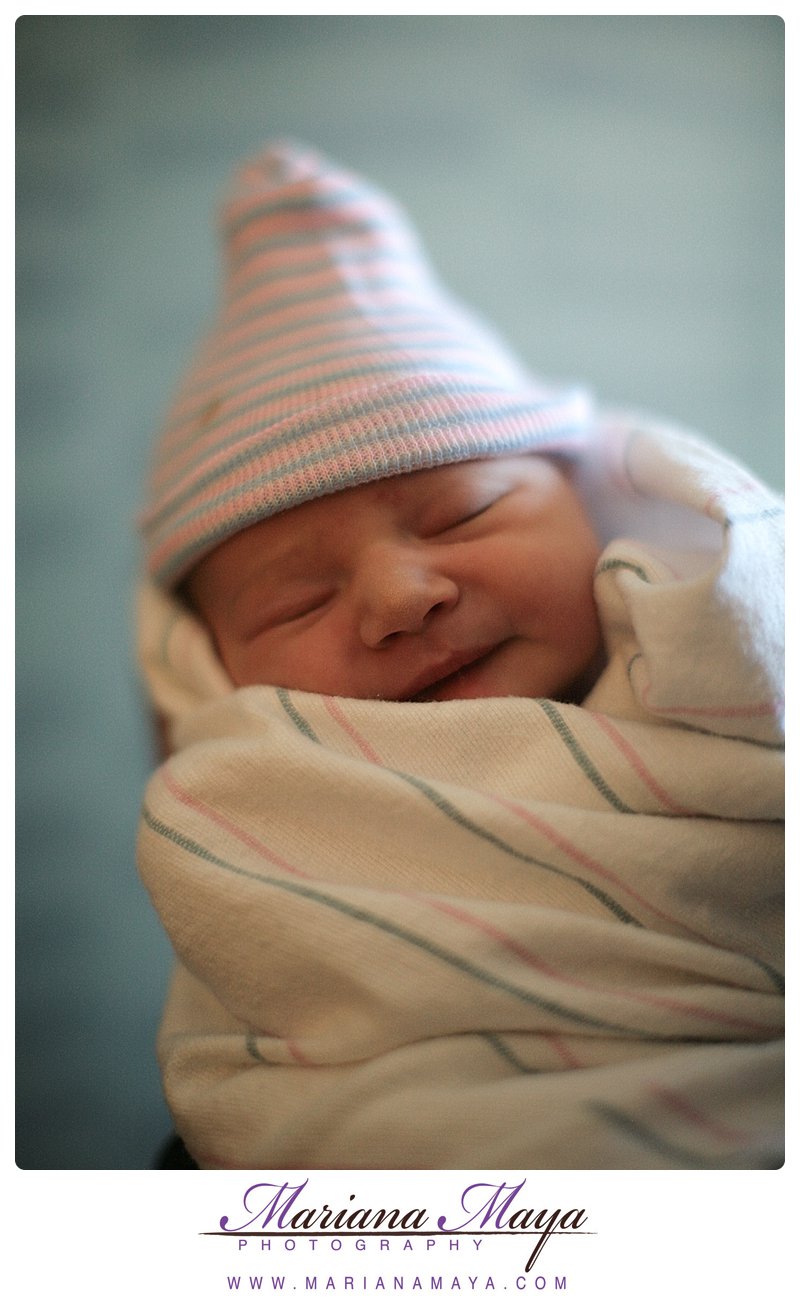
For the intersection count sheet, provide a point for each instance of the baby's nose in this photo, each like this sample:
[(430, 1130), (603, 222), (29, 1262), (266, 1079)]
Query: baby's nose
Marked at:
[(399, 592)]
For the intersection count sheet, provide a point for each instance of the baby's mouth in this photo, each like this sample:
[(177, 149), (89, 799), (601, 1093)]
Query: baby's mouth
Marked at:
[(456, 670)]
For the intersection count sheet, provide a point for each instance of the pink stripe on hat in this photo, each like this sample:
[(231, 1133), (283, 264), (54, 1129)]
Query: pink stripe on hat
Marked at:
[(337, 359)]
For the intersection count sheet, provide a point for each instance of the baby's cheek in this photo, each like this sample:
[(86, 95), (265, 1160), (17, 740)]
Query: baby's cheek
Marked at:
[(311, 663), (250, 664)]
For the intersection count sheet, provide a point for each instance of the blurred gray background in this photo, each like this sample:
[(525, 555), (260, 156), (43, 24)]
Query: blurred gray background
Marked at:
[(608, 191)]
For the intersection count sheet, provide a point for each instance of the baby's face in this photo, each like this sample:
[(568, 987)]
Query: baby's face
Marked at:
[(472, 580)]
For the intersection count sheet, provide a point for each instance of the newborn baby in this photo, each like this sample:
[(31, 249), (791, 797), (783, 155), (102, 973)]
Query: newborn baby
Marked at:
[(468, 841)]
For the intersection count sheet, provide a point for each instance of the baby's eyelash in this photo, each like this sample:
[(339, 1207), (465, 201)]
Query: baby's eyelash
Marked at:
[(279, 619), (465, 518), (470, 516), (302, 609)]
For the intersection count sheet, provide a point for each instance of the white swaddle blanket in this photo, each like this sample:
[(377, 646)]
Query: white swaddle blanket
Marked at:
[(497, 932)]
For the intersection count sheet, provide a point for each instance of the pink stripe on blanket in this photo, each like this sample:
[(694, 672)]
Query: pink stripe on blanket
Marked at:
[(515, 947), (255, 845), (223, 822), (688, 1111), (483, 926), (361, 743), (638, 765), (559, 1046), (589, 863), (289, 1043), (564, 845), (646, 999)]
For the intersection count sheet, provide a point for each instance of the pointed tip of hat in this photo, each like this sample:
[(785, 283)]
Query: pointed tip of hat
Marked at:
[(336, 358), (279, 163)]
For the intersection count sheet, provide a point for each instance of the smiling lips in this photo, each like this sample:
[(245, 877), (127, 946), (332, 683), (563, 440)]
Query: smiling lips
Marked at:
[(446, 677)]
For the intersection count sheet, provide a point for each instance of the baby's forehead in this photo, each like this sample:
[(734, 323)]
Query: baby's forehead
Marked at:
[(407, 490), (402, 491), (397, 489), (303, 534), (420, 484)]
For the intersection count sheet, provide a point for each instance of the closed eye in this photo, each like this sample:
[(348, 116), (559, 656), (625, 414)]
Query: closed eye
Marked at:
[(303, 609), (471, 516), (289, 614), (464, 518)]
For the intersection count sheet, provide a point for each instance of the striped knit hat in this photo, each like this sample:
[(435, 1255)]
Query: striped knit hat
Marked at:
[(336, 359)]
